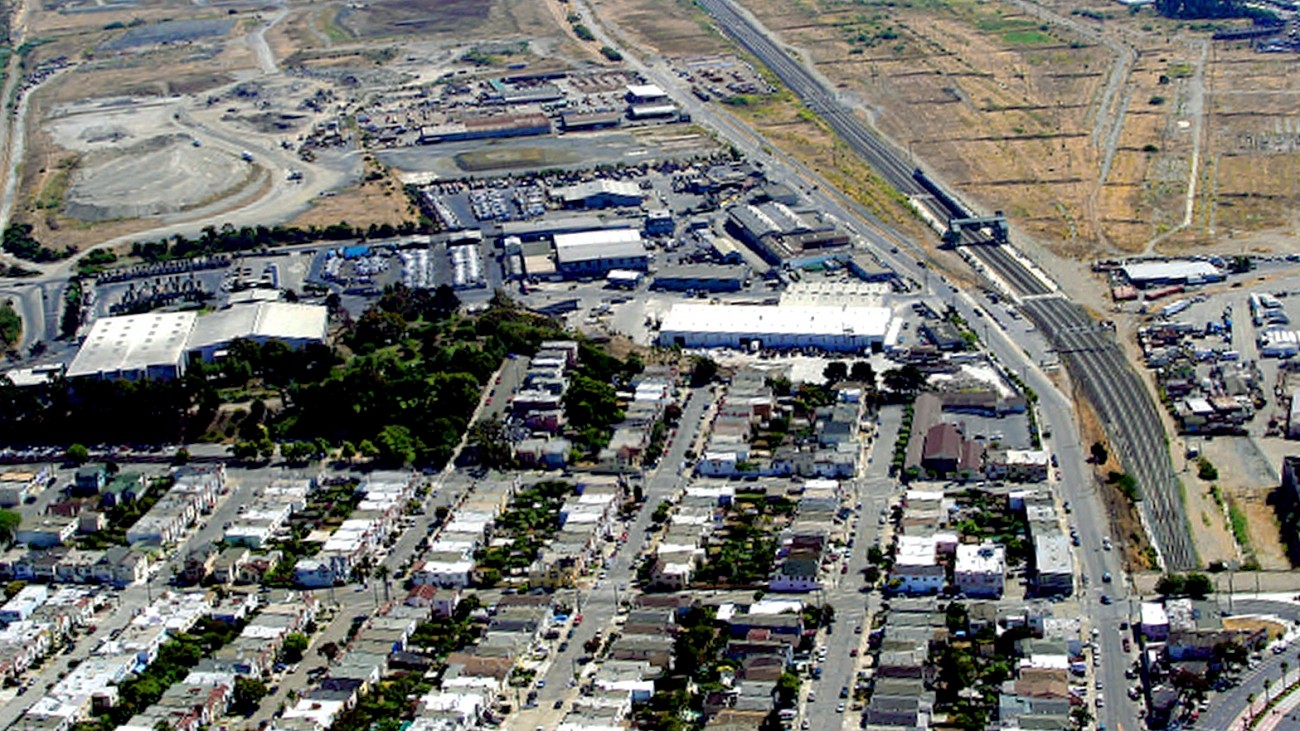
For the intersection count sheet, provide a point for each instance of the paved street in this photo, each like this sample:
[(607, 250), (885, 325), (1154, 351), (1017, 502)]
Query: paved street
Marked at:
[(118, 615), (875, 489), (1227, 706), (1057, 415), (598, 603)]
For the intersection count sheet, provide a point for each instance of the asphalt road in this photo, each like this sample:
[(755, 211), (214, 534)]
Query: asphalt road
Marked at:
[(598, 604), (1225, 707), (875, 489), (1125, 404)]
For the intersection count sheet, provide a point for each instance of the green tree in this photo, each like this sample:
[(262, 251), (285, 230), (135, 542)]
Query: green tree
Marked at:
[(787, 690), (348, 451), (396, 445), (1099, 453), (705, 370), (295, 644), (181, 456), (1127, 485), (9, 522), (907, 379), (835, 371), (661, 512), (383, 574), (367, 449), (491, 444), (77, 454), (1198, 586), (248, 693), (265, 449), (1171, 585), (956, 617), (1206, 470), (377, 328), (863, 373), (244, 451)]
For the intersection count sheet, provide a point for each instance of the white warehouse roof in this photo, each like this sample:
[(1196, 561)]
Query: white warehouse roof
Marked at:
[(604, 186), (155, 344), (130, 345), (261, 321), (646, 91), (833, 327), (1171, 271), (606, 244)]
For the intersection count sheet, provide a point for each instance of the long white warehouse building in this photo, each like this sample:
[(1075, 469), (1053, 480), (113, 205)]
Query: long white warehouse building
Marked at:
[(835, 328), (155, 345)]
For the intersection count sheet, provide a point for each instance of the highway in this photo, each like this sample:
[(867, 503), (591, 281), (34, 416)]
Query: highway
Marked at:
[(1093, 358)]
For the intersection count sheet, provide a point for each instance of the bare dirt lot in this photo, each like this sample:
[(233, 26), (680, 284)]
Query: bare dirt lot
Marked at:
[(1093, 127), (168, 112)]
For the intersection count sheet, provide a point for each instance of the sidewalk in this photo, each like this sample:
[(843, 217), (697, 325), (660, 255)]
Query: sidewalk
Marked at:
[(1280, 716)]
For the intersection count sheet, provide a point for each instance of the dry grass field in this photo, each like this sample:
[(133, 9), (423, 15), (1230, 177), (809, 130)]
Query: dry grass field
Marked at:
[(1091, 126)]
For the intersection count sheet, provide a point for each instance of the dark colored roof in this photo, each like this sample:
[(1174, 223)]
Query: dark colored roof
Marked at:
[(942, 441)]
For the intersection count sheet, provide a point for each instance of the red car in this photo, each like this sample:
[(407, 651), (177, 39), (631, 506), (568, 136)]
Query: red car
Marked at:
[(853, 652), (577, 620)]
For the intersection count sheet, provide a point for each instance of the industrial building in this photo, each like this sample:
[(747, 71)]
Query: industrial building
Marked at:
[(659, 222), (702, 277), (550, 226), (1158, 273), (1278, 343), (135, 347), (651, 111), (646, 94), (603, 193), (577, 121), (594, 253), (777, 233), (482, 128), (155, 345), (295, 325), (844, 329)]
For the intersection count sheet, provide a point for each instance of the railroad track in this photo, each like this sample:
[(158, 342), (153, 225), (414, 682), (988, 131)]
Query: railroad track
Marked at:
[(1091, 355)]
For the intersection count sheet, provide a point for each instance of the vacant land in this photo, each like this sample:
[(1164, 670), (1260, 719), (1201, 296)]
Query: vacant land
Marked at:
[(1096, 129), (169, 112)]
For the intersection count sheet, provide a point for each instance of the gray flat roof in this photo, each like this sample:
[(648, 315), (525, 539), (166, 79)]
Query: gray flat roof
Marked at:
[(701, 271), (133, 342)]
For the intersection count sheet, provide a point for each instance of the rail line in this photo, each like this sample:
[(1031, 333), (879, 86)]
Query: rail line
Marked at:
[(1091, 355)]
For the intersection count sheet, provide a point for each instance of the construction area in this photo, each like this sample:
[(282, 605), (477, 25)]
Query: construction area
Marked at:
[(143, 117)]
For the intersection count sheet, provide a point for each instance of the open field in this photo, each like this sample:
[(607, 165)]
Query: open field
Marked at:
[(680, 29), (1033, 108)]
